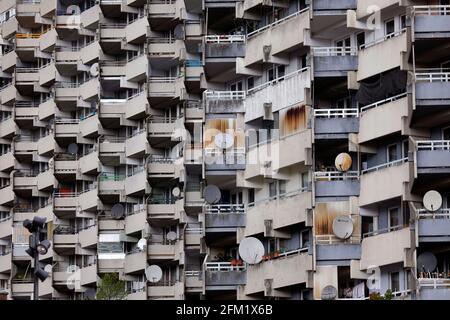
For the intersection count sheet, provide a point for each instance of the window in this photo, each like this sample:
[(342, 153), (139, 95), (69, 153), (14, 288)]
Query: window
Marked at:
[(270, 74), (250, 83), (403, 22), (301, 62), (237, 86), (304, 239), (251, 195), (281, 71), (272, 189), (446, 133), (393, 217), (394, 278), (405, 149), (360, 39), (389, 28), (344, 43), (304, 180), (392, 152), (282, 187)]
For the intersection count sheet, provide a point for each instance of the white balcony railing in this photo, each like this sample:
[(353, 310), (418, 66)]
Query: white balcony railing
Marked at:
[(225, 38), (225, 208), (335, 175), (432, 75), (381, 231), (336, 113), (382, 39), (224, 95), (334, 51), (431, 10), (223, 266), (443, 213), (384, 101), (332, 239), (434, 283), (385, 165), (433, 145)]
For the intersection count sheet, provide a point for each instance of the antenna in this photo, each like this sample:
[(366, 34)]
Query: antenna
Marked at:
[(117, 211), (212, 194), (343, 227), (426, 262), (153, 273), (251, 250), (343, 162), (432, 200)]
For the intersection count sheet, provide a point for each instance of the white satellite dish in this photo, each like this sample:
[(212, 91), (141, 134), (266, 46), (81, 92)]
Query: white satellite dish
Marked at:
[(171, 236), (212, 194), (48, 268), (224, 140), (328, 293), (432, 200), (153, 273), (343, 227), (251, 250), (176, 192), (343, 162), (142, 243), (426, 262)]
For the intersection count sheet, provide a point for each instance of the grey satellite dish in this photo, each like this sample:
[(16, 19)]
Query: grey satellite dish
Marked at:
[(48, 268), (141, 244), (176, 192), (432, 200), (117, 211), (223, 140), (251, 250), (212, 194), (72, 148), (329, 293), (89, 293), (171, 236), (343, 162), (426, 262), (343, 227), (153, 273), (178, 32)]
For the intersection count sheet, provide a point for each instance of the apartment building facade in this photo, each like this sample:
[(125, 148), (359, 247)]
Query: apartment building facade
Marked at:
[(116, 115)]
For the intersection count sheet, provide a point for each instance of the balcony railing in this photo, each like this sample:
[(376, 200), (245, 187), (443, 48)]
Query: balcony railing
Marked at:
[(225, 38), (332, 239), (384, 101), (432, 75), (223, 266), (434, 283), (382, 39), (335, 175), (336, 113), (431, 10), (443, 213), (224, 95), (334, 51), (280, 196), (225, 208), (382, 231), (385, 165), (106, 176), (275, 81), (433, 145)]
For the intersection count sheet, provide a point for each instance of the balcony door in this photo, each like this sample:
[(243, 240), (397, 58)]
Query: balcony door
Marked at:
[(344, 43)]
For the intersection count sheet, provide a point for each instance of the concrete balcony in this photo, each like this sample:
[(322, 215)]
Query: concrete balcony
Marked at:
[(335, 184), (224, 217), (275, 36), (138, 295), (164, 209), (90, 89), (136, 146), (47, 41), (161, 130), (363, 6), (165, 48), (5, 263), (381, 50), (431, 22), (9, 61), (46, 145), (90, 52), (193, 281), (46, 109), (193, 156), (65, 204), (88, 275), (6, 227), (136, 31), (6, 195), (383, 182), (135, 221), (47, 74), (432, 88), (89, 163), (166, 290), (223, 275), (25, 182), (224, 101), (433, 226), (331, 8), (66, 129), (88, 237), (434, 288), (386, 248), (136, 106), (334, 61), (250, 5), (165, 90), (193, 236), (113, 69), (88, 200), (26, 113), (25, 147), (271, 277), (137, 184), (9, 27), (284, 210), (64, 244), (279, 93), (45, 180), (90, 126), (111, 185), (22, 288), (137, 68), (135, 262), (8, 128), (67, 94), (112, 150), (67, 61), (194, 112), (389, 115), (224, 46), (164, 251), (163, 169), (335, 122), (330, 248), (7, 161), (46, 288), (432, 156), (89, 18), (217, 159), (160, 13)]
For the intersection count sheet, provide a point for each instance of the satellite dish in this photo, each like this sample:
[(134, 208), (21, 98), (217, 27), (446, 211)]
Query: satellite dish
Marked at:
[(94, 70), (212, 194), (329, 293), (176, 192), (343, 162), (432, 200), (153, 273), (178, 32), (117, 211), (224, 140), (141, 244), (72, 148), (426, 262), (171, 236), (48, 268), (251, 250), (343, 227)]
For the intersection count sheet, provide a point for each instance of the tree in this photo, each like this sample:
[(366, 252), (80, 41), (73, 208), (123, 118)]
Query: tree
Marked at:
[(111, 288)]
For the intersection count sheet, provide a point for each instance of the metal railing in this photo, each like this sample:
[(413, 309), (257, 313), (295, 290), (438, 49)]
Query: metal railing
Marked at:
[(334, 51), (336, 113), (67, 121), (225, 38), (275, 81), (224, 95), (279, 196), (432, 75), (332, 239), (162, 79), (385, 165), (108, 176), (382, 39), (443, 213), (225, 208), (431, 10), (433, 145), (382, 231), (434, 283), (335, 175), (384, 101), (280, 21), (223, 266)]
